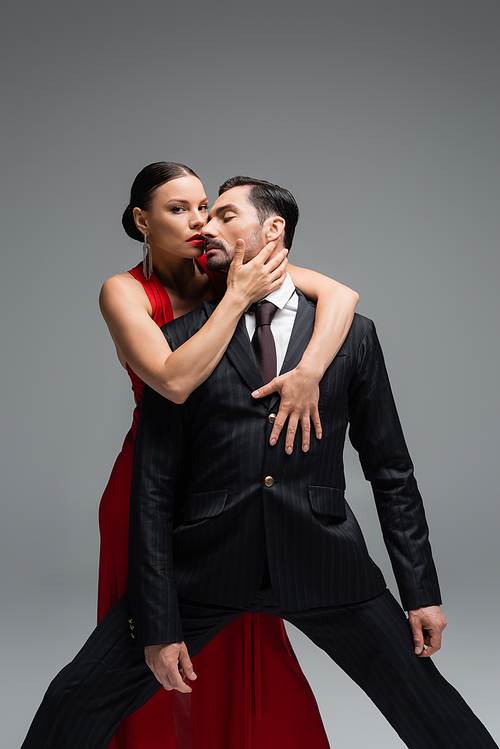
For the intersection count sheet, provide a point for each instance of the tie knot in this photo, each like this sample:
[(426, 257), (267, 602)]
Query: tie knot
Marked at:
[(264, 313)]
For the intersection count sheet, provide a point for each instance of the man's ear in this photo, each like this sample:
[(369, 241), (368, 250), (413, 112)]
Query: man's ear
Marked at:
[(140, 220), (275, 227)]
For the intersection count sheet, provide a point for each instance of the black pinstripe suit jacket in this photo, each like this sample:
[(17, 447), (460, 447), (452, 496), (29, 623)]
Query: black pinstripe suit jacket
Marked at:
[(203, 519)]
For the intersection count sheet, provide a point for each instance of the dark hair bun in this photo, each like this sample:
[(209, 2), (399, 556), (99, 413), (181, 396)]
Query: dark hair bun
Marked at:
[(128, 224), (144, 187)]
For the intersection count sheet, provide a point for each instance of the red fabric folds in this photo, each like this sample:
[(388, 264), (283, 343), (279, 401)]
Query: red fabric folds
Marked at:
[(250, 692)]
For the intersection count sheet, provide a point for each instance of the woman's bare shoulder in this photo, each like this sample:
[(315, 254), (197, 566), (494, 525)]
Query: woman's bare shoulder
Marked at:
[(122, 288)]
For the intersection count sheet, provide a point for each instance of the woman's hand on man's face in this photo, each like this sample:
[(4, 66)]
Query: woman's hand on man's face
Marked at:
[(252, 281)]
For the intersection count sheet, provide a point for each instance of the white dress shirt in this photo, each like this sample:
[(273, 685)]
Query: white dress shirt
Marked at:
[(286, 300)]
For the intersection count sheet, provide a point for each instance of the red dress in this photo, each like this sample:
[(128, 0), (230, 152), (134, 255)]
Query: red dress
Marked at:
[(250, 692)]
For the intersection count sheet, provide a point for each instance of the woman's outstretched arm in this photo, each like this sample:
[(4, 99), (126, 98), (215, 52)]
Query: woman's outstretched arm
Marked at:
[(141, 344), (299, 389)]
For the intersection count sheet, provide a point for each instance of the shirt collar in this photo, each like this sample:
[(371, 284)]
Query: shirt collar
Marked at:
[(282, 296)]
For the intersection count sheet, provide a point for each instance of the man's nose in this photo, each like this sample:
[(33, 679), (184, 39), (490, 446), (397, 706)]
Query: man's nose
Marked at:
[(208, 230)]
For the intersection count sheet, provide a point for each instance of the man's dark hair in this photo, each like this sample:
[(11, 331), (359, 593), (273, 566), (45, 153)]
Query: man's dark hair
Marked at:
[(268, 200)]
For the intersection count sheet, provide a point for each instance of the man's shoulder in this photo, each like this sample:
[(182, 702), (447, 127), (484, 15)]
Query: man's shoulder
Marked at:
[(182, 328), (361, 326)]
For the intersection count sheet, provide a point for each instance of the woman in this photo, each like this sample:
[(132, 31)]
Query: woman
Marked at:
[(253, 706)]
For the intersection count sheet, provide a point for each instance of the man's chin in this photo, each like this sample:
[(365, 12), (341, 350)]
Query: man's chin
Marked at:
[(217, 262)]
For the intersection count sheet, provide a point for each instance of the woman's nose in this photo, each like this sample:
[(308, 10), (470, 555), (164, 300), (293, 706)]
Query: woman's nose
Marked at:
[(198, 219)]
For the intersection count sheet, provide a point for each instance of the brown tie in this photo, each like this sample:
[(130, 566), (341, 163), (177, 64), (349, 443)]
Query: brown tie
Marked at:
[(263, 341)]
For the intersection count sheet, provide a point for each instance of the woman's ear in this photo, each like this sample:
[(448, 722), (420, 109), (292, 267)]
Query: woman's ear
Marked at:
[(275, 228), (140, 220)]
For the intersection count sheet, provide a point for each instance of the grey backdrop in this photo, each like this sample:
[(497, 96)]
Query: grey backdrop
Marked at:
[(382, 116)]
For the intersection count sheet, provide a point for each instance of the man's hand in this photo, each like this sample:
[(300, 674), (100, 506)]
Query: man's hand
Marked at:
[(427, 625), (171, 665)]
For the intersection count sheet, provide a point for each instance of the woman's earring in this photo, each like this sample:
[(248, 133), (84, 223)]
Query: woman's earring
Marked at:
[(147, 259)]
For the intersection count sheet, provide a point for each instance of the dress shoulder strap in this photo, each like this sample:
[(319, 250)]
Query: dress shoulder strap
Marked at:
[(158, 297)]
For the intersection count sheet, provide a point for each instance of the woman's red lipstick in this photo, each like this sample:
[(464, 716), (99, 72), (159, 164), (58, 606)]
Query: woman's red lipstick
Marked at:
[(197, 240)]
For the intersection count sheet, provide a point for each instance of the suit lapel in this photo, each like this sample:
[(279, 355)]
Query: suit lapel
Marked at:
[(240, 353), (301, 335)]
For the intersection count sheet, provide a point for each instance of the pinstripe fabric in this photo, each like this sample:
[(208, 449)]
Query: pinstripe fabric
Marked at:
[(106, 681), (370, 641), (199, 496), (204, 524)]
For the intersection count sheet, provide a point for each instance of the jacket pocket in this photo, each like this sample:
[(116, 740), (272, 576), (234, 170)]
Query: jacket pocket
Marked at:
[(326, 500), (204, 505)]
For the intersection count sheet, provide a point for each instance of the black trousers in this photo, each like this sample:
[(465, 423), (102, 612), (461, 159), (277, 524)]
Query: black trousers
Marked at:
[(370, 641)]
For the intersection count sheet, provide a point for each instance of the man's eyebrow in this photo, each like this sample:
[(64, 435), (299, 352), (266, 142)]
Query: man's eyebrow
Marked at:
[(222, 208)]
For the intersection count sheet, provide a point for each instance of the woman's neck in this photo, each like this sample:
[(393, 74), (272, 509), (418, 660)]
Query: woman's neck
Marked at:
[(174, 272)]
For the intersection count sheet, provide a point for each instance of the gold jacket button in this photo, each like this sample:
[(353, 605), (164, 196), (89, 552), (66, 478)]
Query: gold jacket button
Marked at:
[(272, 418), (269, 481)]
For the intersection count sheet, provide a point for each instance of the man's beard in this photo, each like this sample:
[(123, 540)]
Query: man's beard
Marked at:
[(221, 261)]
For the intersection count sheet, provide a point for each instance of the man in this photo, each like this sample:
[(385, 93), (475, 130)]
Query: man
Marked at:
[(223, 522)]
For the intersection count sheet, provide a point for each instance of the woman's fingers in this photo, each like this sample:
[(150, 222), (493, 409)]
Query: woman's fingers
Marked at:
[(264, 260), (276, 276), (266, 252), (239, 253), (298, 406), (316, 422), (291, 420), (280, 260), (278, 425), (291, 431), (305, 425), (278, 268), (275, 281), (253, 280), (272, 387)]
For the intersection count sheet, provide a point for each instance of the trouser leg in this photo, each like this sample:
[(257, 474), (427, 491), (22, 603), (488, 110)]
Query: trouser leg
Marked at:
[(105, 682), (87, 699), (373, 644)]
